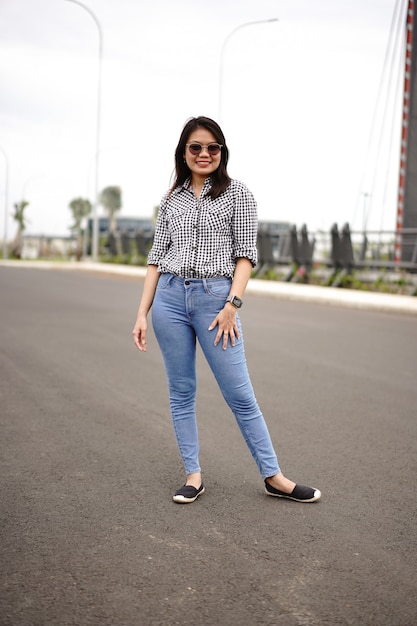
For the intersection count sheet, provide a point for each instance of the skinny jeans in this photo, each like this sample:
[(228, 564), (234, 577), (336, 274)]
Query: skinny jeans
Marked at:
[(182, 311)]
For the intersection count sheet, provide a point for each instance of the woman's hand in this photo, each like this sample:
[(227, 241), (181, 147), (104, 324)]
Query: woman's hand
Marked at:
[(139, 333), (227, 326)]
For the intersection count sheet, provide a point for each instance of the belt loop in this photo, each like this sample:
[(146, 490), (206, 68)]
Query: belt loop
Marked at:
[(205, 285)]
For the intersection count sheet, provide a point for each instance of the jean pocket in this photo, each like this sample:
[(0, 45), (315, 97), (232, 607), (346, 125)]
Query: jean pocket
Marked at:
[(219, 288), (164, 280)]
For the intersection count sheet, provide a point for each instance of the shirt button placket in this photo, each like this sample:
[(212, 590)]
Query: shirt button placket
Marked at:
[(195, 238)]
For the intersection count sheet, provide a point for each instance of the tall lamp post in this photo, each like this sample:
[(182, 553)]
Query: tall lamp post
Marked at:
[(6, 203), (98, 125), (226, 41)]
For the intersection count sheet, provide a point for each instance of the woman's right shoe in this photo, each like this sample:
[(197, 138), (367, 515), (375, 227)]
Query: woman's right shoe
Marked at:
[(299, 493), (187, 493)]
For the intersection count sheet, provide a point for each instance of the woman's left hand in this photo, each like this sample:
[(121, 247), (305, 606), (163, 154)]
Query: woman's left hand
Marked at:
[(227, 326)]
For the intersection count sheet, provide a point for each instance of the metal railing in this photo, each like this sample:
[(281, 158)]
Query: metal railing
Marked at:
[(292, 250)]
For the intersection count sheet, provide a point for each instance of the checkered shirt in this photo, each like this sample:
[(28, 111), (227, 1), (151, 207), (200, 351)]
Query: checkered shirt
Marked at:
[(202, 238)]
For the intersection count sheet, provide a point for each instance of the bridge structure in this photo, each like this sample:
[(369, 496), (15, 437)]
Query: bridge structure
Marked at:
[(407, 184)]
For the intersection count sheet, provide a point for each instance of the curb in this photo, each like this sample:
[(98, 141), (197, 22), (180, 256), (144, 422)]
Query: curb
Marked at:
[(288, 291)]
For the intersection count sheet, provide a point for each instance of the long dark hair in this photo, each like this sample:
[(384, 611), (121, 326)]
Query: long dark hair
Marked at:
[(220, 178)]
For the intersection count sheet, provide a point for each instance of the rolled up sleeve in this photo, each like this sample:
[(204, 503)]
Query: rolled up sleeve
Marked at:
[(245, 225), (162, 239)]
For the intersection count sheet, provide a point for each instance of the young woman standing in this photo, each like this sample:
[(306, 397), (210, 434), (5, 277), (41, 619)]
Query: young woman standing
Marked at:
[(203, 252)]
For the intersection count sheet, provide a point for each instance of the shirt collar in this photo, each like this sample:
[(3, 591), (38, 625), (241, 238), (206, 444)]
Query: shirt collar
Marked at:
[(187, 185)]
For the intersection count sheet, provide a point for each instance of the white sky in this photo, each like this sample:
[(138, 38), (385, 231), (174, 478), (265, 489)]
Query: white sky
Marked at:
[(298, 102)]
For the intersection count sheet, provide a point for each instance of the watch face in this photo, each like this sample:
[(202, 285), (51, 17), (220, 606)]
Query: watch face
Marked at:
[(235, 300)]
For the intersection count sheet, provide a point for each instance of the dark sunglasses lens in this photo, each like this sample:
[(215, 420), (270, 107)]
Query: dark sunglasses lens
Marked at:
[(195, 148), (213, 148)]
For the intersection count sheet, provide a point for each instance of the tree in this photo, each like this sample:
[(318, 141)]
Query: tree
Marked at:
[(80, 208), (111, 199), (19, 217)]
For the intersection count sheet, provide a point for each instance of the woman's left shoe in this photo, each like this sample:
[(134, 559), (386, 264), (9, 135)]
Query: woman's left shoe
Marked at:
[(187, 493), (299, 493)]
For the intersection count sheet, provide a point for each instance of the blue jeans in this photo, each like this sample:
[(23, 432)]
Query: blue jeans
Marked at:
[(182, 311)]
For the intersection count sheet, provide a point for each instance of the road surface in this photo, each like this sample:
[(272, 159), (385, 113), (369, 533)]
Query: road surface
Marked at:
[(89, 534)]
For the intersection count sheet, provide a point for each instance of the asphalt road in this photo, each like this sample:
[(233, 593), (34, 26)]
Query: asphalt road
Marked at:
[(89, 534)]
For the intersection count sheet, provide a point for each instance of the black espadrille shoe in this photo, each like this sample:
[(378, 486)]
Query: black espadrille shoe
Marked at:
[(299, 493), (187, 493)]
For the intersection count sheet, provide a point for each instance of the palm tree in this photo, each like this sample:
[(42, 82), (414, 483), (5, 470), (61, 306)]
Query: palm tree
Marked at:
[(80, 208), (111, 199), (19, 217)]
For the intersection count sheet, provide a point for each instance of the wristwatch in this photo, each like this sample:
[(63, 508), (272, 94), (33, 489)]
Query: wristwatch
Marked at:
[(237, 302)]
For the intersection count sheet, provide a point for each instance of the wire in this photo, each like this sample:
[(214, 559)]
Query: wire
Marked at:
[(396, 28), (396, 111), (398, 44)]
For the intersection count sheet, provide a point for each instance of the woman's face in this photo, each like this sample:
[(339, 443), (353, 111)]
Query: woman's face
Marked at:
[(204, 163)]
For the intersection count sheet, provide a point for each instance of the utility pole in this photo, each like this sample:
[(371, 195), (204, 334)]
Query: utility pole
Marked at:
[(407, 184)]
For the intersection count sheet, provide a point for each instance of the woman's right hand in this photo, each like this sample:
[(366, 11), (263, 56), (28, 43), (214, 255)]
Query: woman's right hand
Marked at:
[(141, 326), (139, 333)]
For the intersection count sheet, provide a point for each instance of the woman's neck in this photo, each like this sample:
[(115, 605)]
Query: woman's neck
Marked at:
[(197, 183)]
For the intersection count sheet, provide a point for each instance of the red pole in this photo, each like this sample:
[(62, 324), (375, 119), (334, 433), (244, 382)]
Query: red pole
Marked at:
[(404, 132)]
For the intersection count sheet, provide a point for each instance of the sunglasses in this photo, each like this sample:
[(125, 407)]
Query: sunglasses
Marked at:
[(212, 148)]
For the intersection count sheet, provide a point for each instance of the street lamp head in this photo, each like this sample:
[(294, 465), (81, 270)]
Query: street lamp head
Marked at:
[(254, 23)]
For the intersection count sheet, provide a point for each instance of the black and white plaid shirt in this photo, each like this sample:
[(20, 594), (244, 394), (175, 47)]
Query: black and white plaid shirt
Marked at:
[(202, 238)]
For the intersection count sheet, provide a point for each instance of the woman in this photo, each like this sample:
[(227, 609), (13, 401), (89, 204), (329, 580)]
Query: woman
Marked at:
[(198, 268)]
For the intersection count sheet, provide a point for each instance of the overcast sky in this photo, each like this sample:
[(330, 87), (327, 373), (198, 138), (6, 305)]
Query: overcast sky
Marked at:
[(299, 99)]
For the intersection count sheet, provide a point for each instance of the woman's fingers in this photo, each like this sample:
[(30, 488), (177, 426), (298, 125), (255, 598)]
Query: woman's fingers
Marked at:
[(228, 335), (139, 338), (227, 330)]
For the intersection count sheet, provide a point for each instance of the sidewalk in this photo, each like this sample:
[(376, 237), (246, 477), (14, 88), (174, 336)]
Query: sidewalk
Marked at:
[(288, 291)]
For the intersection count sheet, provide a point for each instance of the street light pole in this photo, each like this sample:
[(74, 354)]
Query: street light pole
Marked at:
[(6, 203), (225, 42), (98, 126)]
